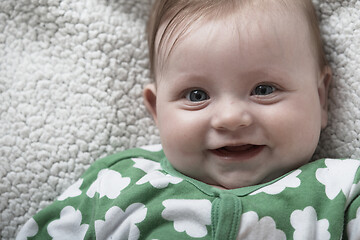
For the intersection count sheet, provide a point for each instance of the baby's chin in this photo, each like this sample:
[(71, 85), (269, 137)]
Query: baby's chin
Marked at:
[(228, 184), (224, 185), (231, 186)]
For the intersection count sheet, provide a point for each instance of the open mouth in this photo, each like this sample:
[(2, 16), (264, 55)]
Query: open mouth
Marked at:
[(239, 153)]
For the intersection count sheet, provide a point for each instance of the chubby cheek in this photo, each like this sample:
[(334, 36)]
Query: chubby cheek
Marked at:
[(295, 128), (181, 132), (182, 135)]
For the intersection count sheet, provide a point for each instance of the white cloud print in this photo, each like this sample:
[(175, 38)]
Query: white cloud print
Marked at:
[(253, 228), (338, 176), (307, 225), (354, 192), (72, 191), (121, 225), (290, 181), (30, 229), (159, 180), (68, 226), (353, 227), (146, 165), (152, 148), (190, 216), (109, 183)]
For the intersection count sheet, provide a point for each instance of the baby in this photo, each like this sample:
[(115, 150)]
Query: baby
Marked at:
[(240, 99)]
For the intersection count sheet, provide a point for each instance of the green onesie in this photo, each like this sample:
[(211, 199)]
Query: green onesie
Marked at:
[(136, 194)]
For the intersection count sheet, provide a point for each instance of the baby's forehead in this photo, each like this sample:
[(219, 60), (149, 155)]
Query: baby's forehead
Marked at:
[(179, 21), (245, 19)]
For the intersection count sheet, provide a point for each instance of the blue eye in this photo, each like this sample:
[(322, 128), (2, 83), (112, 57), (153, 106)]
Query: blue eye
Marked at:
[(197, 96), (263, 90)]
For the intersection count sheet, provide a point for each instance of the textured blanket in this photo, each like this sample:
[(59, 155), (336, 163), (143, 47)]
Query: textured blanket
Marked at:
[(71, 78)]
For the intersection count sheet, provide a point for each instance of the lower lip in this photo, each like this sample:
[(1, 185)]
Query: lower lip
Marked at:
[(239, 156)]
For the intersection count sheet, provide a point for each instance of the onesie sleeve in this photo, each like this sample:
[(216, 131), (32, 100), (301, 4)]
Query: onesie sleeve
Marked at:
[(352, 214), (74, 214)]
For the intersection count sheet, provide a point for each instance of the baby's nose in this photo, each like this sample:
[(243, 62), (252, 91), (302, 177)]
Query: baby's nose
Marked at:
[(232, 116)]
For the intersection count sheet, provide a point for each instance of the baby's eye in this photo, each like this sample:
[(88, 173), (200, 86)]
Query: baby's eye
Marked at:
[(263, 90), (197, 96)]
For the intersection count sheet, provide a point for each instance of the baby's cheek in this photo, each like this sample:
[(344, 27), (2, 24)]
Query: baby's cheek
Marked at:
[(180, 130), (298, 133), (287, 124)]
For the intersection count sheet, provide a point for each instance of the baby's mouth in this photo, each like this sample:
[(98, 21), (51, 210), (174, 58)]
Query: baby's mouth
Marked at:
[(242, 152), (233, 149)]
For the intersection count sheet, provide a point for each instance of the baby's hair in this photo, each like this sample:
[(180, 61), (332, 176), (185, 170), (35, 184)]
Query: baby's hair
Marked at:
[(182, 13)]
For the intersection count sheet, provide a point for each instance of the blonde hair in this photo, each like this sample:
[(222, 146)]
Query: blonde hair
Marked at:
[(183, 13)]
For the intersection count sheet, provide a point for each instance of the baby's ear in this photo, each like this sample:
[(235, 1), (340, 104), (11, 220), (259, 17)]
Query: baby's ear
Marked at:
[(323, 88), (149, 95)]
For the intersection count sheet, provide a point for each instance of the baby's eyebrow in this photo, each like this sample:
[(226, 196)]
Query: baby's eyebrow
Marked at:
[(190, 78), (267, 74)]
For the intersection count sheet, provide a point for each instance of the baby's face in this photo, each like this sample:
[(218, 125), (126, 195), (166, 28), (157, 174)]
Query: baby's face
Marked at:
[(240, 105)]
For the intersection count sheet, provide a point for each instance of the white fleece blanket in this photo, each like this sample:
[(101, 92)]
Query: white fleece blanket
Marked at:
[(71, 78)]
